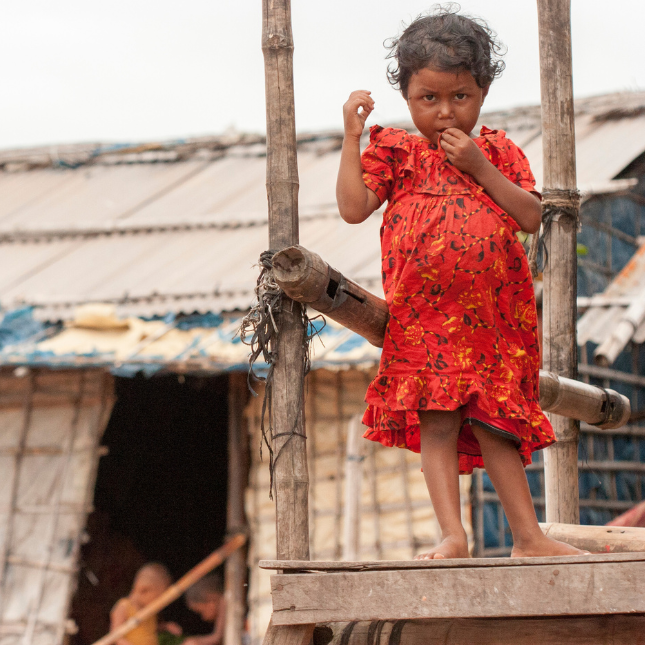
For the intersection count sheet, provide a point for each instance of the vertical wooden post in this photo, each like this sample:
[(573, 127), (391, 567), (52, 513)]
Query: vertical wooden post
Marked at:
[(235, 567), (355, 455), (290, 471), (291, 477), (559, 315)]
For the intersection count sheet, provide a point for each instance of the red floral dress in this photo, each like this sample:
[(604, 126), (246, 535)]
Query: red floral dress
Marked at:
[(462, 332)]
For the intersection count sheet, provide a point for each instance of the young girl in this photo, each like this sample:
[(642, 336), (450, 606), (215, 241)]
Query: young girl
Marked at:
[(458, 379)]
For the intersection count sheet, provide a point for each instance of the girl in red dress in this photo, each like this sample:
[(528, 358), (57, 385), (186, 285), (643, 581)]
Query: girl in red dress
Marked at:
[(458, 379)]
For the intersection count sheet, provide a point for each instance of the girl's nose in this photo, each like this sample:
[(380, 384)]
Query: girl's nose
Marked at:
[(445, 109)]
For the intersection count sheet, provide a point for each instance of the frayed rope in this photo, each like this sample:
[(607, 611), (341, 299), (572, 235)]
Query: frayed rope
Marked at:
[(259, 330), (556, 202)]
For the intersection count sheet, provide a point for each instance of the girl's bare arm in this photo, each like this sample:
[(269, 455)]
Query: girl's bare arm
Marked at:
[(521, 205), (356, 202)]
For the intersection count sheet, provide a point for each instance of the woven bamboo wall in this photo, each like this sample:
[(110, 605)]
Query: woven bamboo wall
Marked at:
[(396, 520), (51, 423)]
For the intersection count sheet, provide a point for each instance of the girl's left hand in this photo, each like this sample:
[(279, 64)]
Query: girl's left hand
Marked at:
[(462, 151)]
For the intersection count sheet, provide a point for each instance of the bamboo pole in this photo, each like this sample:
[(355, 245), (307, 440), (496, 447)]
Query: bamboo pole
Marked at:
[(306, 277), (235, 568), (353, 484), (287, 408), (560, 273), (598, 539), (291, 478), (174, 591)]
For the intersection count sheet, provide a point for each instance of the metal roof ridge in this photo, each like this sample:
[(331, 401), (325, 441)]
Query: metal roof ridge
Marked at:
[(23, 235)]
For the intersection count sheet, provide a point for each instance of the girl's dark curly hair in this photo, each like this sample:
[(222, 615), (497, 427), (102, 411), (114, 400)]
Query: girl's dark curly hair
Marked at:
[(445, 40)]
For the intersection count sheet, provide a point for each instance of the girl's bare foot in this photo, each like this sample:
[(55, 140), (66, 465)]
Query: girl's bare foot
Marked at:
[(450, 547), (544, 546)]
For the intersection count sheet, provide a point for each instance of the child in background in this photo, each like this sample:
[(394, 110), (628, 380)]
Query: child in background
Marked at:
[(458, 378), (206, 598), (150, 582)]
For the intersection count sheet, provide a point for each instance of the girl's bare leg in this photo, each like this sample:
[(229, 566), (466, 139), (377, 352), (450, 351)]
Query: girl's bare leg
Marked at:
[(504, 467), (440, 462)]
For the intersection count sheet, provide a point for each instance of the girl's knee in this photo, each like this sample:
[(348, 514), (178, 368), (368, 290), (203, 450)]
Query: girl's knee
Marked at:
[(439, 425)]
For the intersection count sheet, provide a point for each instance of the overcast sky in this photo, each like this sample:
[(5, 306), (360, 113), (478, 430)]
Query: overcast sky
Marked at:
[(138, 70)]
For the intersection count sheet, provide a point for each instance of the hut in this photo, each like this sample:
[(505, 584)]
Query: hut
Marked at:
[(124, 273)]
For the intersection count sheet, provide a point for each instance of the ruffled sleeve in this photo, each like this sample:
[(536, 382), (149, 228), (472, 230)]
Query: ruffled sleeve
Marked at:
[(386, 156), (509, 159)]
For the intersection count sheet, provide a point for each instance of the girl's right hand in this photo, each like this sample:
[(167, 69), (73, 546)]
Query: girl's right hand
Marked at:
[(358, 107)]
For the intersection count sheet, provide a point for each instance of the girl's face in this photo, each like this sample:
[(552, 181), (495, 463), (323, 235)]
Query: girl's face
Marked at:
[(440, 100)]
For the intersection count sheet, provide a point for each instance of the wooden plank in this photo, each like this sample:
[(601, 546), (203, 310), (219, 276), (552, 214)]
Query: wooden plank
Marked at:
[(487, 592), (463, 563), (595, 630)]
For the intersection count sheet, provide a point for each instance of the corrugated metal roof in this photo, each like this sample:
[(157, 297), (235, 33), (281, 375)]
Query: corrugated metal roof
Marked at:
[(184, 236), (616, 316), (131, 345)]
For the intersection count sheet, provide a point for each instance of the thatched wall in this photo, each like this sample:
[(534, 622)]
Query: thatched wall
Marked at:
[(51, 424)]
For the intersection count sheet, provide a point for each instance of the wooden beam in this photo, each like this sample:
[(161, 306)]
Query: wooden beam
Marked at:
[(235, 567), (306, 277), (559, 349), (291, 480), (569, 589), (593, 630)]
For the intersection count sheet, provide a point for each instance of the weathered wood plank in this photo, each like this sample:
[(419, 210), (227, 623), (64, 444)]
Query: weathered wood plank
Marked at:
[(595, 630), (464, 563), (594, 588)]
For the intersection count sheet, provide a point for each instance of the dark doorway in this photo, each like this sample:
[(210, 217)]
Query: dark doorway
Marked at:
[(160, 493)]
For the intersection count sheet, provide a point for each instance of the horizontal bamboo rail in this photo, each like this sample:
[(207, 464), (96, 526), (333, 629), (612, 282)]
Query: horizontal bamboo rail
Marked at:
[(598, 539), (305, 277), (174, 591)]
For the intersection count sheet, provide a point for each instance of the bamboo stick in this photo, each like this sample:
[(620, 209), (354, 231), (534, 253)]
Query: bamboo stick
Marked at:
[(353, 483), (289, 442), (598, 539), (306, 277), (560, 273), (174, 591), (235, 571)]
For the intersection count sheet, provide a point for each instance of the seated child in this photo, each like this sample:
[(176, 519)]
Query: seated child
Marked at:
[(206, 598), (151, 581)]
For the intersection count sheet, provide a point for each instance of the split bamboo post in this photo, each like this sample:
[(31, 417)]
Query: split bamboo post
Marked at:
[(235, 567), (306, 277), (291, 478), (174, 591), (560, 272), (353, 481), (290, 475)]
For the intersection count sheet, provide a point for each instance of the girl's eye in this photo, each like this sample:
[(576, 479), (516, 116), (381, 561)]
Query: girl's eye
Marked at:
[(460, 96), (429, 97)]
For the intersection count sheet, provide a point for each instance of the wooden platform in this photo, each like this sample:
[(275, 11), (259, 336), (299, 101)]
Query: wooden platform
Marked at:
[(593, 585)]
